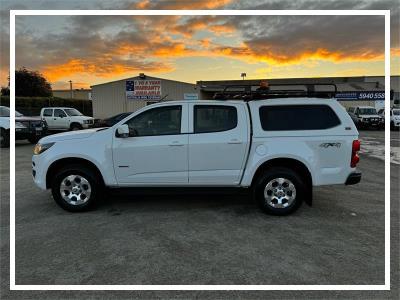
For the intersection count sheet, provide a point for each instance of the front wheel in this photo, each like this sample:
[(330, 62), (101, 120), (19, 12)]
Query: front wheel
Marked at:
[(76, 188), (4, 138), (75, 127), (34, 139), (280, 191)]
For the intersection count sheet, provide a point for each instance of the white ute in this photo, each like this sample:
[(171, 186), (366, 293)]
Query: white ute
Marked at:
[(65, 118), (278, 149)]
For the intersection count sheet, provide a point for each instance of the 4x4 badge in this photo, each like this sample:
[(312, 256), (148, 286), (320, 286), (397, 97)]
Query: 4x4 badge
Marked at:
[(326, 145)]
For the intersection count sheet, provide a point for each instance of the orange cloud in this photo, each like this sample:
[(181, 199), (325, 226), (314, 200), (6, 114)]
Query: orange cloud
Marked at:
[(99, 68), (182, 4), (276, 58)]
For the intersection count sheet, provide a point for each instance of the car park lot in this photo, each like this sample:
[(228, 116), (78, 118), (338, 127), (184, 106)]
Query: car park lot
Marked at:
[(204, 239)]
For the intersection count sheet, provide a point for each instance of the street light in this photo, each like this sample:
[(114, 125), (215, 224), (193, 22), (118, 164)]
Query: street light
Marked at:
[(70, 88)]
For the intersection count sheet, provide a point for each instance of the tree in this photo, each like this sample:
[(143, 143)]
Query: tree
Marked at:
[(31, 84), (5, 91)]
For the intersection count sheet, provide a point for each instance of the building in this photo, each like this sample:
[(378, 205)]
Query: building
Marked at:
[(362, 90), (133, 93), (83, 94)]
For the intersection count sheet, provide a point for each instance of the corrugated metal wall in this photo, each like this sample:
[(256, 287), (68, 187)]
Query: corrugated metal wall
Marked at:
[(110, 99)]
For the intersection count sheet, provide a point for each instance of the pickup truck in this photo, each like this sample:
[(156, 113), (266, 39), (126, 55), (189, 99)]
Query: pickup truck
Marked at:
[(365, 117), (26, 128), (65, 118), (276, 149)]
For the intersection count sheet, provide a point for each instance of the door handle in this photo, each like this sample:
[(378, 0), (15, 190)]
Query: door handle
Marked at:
[(176, 143), (235, 141)]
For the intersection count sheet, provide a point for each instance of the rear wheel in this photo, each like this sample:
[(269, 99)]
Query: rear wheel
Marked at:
[(280, 191), (4, 138), (76, 188)]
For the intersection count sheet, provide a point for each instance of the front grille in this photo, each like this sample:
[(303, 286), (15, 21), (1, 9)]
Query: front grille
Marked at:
[(31, 124)]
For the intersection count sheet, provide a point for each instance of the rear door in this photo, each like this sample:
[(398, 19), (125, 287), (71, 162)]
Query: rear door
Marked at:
[(217, 143), (48, 117)]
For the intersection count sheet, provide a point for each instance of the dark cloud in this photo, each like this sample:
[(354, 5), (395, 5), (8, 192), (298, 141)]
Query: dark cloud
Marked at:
[(286, 39)]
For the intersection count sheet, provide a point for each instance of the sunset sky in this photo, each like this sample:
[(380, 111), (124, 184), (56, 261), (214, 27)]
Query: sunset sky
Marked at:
[(95, 49)]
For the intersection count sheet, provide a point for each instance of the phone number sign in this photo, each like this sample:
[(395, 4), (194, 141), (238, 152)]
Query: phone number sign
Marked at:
[(360, 96), (143, 89)]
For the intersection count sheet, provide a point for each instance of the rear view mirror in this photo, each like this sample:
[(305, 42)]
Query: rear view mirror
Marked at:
[(123, 131)]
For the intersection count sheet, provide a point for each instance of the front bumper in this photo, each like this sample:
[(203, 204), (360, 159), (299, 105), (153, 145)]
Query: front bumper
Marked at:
[(38, 171), (25, 133), (372, 123), (353, 178)]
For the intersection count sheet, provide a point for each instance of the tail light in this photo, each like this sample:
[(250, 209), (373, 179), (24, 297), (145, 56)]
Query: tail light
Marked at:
[(354, 153)]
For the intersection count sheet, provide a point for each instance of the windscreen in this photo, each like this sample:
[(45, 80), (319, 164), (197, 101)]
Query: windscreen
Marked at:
[(73, 112), (367, 111)]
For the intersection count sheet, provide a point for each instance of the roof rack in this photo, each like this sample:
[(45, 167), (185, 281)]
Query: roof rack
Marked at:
[(249, 92)]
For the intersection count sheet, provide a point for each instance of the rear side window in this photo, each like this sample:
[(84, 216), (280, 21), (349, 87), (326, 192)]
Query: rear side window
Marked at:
[(214, 118), (47, 112), (297, 117)]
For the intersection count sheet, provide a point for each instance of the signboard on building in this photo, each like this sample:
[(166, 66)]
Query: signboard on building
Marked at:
[(143, 89), (191, 96), (360, 95)]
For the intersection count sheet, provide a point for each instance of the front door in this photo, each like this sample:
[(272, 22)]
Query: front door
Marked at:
[(156, 151), (60, 120)]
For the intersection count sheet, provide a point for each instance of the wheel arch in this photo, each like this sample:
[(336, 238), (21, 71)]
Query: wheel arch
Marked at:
[(58, 164), (290, 163), (75, 123)]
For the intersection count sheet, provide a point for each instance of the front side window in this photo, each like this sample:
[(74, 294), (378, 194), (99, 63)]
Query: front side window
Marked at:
[(297, 117), (58, 113), (156, 121), (47, 112), (72, 112), (214, 118)]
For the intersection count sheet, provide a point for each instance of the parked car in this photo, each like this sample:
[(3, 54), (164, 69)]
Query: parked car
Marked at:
[(26, 128), (277, 149), (365, 117), (395, 118), (65, 118), (111, 121)]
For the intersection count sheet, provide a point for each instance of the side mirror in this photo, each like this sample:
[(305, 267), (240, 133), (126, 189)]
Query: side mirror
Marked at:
[(123, 131)]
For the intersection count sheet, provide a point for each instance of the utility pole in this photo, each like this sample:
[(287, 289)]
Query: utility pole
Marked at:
[(70, 89)]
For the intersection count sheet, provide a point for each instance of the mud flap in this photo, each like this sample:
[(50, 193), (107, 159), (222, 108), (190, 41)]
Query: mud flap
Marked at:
[(309, 197)]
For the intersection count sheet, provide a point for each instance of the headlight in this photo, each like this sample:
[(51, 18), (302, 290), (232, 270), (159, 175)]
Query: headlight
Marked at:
[(19, 125), (40, 148)]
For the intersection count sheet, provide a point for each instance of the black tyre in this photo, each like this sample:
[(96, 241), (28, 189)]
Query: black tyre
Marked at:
[(4, 138), (75, 126), (280, 191), (76, 188), (34, 139)]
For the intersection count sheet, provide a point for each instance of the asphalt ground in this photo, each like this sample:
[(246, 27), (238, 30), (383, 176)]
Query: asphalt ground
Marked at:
[(202, 239)]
